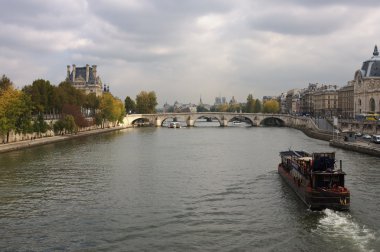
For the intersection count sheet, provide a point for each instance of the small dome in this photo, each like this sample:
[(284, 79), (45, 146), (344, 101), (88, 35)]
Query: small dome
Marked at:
[(371, 67)]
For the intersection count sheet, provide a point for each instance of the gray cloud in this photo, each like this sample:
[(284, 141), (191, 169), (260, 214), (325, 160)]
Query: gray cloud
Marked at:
[(184, 49)]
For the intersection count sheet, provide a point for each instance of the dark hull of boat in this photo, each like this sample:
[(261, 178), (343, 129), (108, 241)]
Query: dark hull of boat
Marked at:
[(316, 200)]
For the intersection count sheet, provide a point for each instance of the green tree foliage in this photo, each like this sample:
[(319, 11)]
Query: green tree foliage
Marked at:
[(201, 108), (257, 106), (42, 95), (39, 125), (65, 125), (92, 103), (271, 106), (15, 112), (249, 107), (234, 107), (5, 83), (130, 105), (66, 93), (146, 102)]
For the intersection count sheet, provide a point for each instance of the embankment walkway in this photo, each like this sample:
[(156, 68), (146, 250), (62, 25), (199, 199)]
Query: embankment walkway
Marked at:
[(58, 138), (358, 146)]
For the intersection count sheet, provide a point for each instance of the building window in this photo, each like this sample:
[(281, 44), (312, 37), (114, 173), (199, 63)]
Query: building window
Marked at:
[(360, 102), (372, 105)]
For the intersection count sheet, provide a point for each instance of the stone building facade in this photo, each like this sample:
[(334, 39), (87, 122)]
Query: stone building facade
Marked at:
[(325, 101), (367, 86), (85, 78), (346, 101)]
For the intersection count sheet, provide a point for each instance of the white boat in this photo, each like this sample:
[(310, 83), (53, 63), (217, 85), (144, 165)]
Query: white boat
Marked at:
[(174, 125)]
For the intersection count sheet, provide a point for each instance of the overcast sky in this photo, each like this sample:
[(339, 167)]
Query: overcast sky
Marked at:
[(184, 49)]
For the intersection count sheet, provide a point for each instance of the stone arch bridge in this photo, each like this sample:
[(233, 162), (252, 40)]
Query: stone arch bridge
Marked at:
[(255, 119)]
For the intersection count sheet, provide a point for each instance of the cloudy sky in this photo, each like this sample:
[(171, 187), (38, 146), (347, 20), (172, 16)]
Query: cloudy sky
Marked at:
[(184, 49)]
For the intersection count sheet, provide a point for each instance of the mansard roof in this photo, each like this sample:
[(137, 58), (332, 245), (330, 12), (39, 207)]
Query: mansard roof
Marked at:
[(80, 75)]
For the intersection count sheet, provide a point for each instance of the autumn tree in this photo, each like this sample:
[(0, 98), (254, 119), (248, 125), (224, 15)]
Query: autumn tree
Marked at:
[(271, 106), (110, 109), (146, 102), (76, 113), (15, 112)]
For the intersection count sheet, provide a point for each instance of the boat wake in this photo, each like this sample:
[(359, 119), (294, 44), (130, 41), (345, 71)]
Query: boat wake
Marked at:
[(340, 226)]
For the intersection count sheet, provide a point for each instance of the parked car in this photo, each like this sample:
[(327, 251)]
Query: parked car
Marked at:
[(358, 134), (376, 138), (366, 136)]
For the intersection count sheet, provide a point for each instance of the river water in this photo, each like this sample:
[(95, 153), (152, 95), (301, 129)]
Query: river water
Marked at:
[(189, 189)]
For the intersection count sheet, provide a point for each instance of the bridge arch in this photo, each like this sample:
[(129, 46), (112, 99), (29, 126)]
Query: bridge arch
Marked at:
[(272, 121), (242, 118), (171, 118), (207, 117), (141, 121)]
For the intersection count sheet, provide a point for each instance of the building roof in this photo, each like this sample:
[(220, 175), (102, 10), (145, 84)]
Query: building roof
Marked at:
[(80, 75), (371, 67)]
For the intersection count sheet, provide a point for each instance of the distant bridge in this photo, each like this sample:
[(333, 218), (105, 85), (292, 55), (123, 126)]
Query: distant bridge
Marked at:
[(224, 118)]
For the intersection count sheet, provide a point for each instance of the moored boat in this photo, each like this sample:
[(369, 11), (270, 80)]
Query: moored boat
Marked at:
[(174, 125), (315, 179)]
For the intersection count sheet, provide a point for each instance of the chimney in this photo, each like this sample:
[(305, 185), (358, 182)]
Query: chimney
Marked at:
[(94, 73), (74, 73), (68, 72), (87, 72)]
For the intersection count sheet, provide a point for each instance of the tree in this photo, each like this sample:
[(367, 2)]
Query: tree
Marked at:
[(41, 93), (257, 106), (130, 105), (146, 102), (249, 107), (5, 83), (91, 104), (222, 107), (76, 113), (201, 108), (271, 106), (111, 109), (15, 112), (66, 93), (39, 125)]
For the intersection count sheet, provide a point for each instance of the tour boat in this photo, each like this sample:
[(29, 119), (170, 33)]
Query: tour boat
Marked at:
[(315, 179), (174, 125)]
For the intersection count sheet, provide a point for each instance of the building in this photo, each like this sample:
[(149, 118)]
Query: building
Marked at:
[(367, 86), (346, 101), (86, 79), (325, 101), (307, 99), (293, 101)]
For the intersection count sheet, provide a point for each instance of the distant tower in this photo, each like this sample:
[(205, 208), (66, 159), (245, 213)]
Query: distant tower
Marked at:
[(375, 51)]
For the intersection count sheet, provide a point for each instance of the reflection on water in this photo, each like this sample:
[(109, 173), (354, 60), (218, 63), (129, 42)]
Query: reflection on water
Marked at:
[(158, 189)]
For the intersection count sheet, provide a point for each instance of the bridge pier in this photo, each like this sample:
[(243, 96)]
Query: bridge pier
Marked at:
[(190, 122), (223, 123), (158, 122)]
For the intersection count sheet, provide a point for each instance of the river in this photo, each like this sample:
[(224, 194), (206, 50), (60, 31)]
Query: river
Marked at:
[(189, 189)]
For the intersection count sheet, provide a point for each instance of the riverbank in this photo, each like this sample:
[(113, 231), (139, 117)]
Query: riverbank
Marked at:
[(52, 139), (358, 146)]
